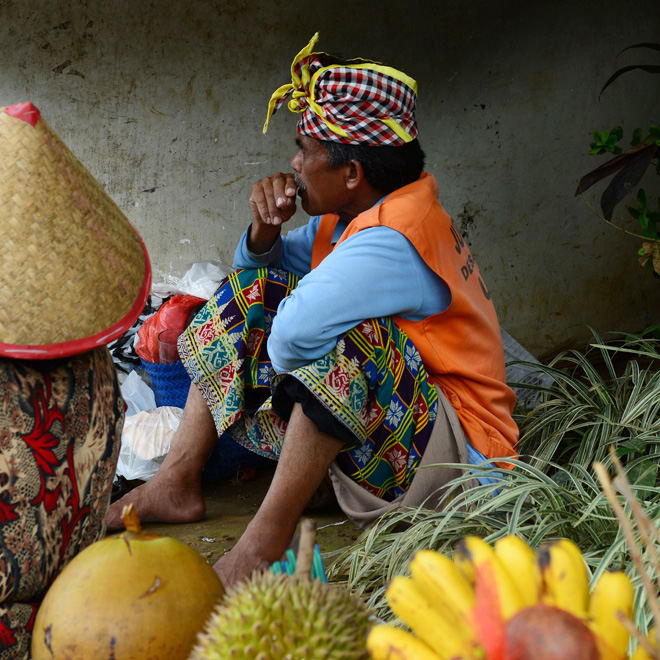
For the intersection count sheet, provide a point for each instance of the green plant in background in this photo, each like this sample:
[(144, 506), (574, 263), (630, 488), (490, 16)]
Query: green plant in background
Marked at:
[(627, 168), (552, 490), (586, 410)]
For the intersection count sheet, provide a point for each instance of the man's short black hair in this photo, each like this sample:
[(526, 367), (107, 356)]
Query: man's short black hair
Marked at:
[(386, 168)]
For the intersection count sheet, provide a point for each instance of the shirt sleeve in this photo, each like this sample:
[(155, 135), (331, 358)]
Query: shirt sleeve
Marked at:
[(293, 252), (376, 272)]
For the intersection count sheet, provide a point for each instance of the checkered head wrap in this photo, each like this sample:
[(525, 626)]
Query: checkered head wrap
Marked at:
[(358, 102)]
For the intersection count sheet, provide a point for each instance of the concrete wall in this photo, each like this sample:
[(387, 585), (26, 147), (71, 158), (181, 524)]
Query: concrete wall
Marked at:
[(164, 102)]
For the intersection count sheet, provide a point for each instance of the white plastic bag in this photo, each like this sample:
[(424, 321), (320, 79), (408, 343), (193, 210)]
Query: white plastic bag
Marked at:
[(202, 280), (137, 394), (145, 441)]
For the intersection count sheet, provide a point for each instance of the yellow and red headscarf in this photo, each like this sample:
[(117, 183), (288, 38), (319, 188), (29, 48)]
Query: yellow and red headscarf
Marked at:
[(357, 102)]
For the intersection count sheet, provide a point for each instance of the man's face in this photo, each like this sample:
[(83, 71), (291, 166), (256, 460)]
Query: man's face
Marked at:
[(321, 188)]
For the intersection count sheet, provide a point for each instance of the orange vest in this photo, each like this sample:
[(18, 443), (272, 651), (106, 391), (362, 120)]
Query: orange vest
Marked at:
[(461, 347)]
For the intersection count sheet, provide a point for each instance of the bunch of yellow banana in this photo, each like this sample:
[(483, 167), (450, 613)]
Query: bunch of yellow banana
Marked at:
[(641, 653), (454, 606), (438, 604)]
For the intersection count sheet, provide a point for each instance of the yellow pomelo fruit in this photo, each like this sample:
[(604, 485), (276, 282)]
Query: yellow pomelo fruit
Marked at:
[(134, 596)]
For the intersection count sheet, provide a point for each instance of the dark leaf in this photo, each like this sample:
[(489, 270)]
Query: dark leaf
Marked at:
[(649, 68), (606, 169), (642, 45), (636, 137), (626, 179)]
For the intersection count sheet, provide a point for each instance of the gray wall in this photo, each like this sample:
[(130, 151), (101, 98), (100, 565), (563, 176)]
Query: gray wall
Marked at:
[(164, 102)]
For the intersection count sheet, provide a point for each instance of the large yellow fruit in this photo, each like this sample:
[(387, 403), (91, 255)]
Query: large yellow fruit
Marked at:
[(134, 596)]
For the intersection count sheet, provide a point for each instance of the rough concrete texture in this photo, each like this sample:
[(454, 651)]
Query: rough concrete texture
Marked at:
[(164, 102)]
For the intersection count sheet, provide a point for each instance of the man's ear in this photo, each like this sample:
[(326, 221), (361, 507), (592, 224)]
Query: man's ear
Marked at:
[(354, 174)]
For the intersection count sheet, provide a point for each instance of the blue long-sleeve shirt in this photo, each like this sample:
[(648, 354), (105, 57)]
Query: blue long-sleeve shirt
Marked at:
[(376, 272)]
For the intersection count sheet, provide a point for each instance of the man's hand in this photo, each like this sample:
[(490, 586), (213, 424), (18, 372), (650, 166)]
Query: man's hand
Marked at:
[(272, 202)]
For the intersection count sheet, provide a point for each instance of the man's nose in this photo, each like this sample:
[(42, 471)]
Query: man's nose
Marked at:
[(296, 161)]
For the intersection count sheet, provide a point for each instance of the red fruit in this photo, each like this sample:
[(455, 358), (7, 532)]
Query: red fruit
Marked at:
[(543, 632)]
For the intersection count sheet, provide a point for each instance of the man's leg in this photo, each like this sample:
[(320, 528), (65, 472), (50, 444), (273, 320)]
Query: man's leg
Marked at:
[(304, 461), (174, 493)]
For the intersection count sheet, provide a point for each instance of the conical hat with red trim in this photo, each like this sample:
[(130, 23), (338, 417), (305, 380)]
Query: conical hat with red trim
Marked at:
[(74, 272)]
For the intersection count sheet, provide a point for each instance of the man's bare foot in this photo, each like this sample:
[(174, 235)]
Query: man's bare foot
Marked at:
[(160, 500), (257, 549), (238, 564)]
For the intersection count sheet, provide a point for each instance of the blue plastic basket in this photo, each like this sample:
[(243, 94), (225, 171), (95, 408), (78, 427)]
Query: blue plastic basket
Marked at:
[(170, 383)]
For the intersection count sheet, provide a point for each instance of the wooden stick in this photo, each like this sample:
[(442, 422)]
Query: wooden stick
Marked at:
[(305, 557)]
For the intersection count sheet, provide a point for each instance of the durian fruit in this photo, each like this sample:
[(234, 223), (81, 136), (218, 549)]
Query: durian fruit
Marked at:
[(279, 617), (282, 617)]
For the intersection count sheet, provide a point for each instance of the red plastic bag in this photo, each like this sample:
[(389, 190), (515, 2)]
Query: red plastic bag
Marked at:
[(175, 313)]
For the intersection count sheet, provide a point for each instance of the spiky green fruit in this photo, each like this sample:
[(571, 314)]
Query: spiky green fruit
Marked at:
[(277, 617)]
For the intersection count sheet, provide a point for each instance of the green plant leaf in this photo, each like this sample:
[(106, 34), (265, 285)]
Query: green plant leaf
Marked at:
[(615, 135), (641, 200), (652, 331), (644, 473), (606, 141), (636, 137), (629, 446)]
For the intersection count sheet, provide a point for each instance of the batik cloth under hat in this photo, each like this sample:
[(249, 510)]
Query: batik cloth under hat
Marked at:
[(373, 383), (356, 102), (60, 433)]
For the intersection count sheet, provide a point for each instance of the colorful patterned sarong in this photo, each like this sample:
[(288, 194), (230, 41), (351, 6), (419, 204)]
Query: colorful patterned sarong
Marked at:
[(373, 382), (60, 432)]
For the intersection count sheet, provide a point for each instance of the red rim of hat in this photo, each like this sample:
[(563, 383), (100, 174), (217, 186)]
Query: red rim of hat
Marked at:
[(68, 348)]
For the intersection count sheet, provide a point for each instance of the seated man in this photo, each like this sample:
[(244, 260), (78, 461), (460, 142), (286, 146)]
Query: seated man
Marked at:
[(363, 344)]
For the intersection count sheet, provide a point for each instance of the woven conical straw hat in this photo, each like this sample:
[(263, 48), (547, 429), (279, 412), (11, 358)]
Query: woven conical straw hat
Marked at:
[(74, 272)]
